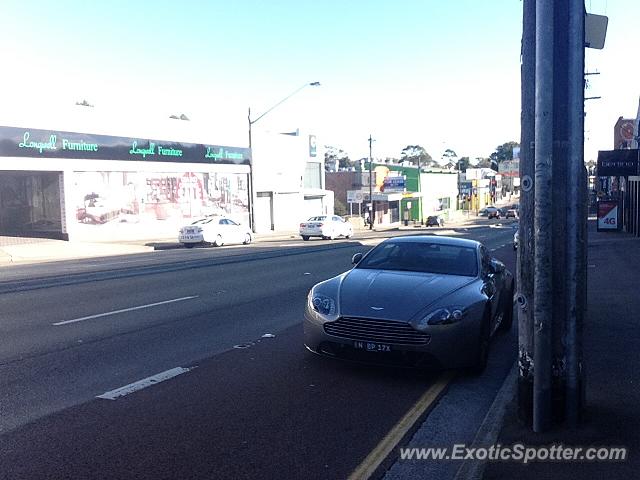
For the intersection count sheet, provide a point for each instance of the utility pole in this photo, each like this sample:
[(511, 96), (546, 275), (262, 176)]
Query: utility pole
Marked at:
[(371, 209), (552, 254), (543, 216), (525, 268), (576, 192)]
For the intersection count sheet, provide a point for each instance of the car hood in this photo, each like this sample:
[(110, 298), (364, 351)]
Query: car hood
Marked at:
[(394, 295)]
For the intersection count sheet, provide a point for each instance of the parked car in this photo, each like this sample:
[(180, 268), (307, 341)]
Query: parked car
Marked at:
[(326, 227), (216, 230), (493, 212), (511, 213), (516, 239), (435, 221), (421, 301)]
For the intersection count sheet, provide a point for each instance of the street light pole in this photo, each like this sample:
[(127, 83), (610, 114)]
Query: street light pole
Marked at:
[(251, 122)]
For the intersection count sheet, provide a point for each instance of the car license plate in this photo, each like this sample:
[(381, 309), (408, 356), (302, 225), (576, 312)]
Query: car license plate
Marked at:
[(371, 346)]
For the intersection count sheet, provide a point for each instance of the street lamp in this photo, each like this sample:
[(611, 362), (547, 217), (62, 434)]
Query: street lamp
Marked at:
[(251, 122)]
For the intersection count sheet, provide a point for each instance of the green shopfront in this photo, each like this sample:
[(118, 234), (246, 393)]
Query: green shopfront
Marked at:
[(82, 186)]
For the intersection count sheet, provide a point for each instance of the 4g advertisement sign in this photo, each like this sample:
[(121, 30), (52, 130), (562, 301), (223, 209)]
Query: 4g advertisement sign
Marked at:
[(608, 215)]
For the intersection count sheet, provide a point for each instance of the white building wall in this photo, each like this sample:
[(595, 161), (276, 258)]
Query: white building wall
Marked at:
[(435, 186), (279, 162)]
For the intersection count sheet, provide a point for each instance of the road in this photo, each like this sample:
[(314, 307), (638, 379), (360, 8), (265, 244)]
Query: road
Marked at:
[(246, 401)]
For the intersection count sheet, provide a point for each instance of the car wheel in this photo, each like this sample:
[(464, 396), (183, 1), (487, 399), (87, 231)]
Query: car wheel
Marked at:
[(507, 314), (218, 241), (188, 245), (305, 238), (482, 354), (247, 239)]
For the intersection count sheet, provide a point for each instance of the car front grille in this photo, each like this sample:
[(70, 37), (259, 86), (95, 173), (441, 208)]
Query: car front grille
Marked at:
[(383, 331)]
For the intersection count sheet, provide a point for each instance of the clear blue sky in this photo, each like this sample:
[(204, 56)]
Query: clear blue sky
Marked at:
[(435, 73)]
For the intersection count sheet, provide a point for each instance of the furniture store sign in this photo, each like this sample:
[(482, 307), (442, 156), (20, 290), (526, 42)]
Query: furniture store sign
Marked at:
[(20, 142)]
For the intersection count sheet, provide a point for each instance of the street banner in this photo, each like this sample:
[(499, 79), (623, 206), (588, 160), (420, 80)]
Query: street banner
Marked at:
[(608, 215)]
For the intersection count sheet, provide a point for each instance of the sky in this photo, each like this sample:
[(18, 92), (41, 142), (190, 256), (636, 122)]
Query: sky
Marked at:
[(440, 74)]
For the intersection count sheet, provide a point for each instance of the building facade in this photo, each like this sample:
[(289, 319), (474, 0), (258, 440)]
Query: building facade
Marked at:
[(89, 187), (400, 193), (288, 181)]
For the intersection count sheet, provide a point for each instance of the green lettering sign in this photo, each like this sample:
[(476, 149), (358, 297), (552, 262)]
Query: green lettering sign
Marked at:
[(221, 153), (79, 146), (40, 146), (142, 151), (169, 152)]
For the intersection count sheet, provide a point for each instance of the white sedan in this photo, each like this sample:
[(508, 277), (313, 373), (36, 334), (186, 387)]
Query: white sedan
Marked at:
[(326, 227), (216, 230)]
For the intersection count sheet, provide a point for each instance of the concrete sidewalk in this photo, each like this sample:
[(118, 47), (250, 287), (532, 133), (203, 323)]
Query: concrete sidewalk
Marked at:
[(24, 250), (611, 343)]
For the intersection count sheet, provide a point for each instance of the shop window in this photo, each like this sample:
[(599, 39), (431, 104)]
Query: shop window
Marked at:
[(313, 175)]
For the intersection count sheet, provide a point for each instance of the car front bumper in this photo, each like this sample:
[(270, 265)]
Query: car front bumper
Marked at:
[(449, 346)]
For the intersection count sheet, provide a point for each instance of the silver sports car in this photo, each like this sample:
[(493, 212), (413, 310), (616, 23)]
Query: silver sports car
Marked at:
[(423, 301)]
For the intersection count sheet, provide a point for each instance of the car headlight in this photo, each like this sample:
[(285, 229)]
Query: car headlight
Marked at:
[(441, 316), (322, 304)]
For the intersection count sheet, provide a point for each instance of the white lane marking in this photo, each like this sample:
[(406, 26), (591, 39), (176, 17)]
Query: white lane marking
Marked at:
[(65, 322), (144, 383), (290, 245)]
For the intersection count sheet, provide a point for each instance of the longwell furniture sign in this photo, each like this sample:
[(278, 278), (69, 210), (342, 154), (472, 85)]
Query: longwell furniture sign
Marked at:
[(30, 142)]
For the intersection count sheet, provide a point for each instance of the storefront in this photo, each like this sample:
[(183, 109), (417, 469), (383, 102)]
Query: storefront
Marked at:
[(83, 186)]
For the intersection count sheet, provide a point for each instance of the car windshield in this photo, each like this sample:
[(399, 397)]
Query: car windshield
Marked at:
[(422, 257), (203, 221), (317, 219)]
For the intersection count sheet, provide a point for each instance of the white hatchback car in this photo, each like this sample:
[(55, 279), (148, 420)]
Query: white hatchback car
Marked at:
[(326, 227), (216, 230)]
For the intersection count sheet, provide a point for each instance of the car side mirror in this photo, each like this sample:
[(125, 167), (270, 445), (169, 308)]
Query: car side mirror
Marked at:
[(356, 258), (497, 266)]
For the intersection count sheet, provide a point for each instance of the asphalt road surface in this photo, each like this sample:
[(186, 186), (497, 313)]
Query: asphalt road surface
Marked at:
[(215, 335)]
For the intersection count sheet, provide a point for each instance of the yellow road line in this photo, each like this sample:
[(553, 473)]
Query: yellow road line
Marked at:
[(395, 435)]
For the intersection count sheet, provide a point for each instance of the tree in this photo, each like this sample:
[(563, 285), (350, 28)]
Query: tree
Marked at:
[(416, 155), (483, 163), (449, 156), (335, 158), (463, 164), (339, 208), (504, 152)]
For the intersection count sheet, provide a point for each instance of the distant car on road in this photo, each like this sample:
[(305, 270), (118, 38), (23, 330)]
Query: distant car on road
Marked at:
[(511, 213), (435, 221), (326, 227), (493, 212), (216, 230), (419, 300)]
